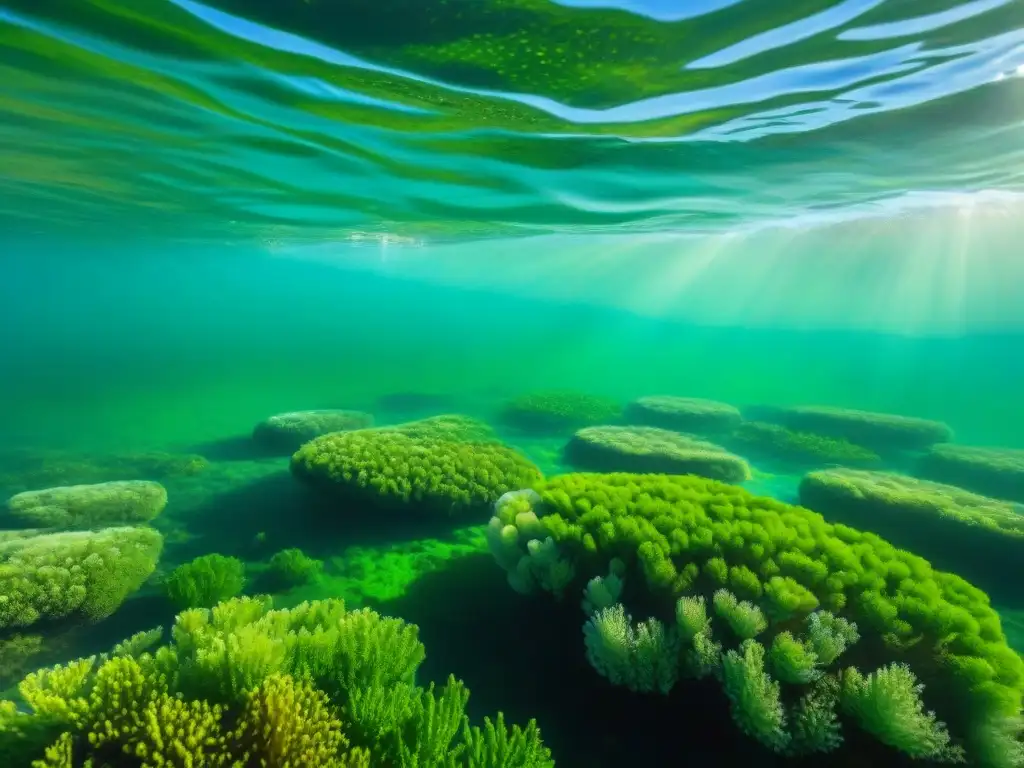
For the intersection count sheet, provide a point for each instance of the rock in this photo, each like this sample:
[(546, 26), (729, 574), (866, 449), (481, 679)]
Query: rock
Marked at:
[(683, 414), (653, 450), (285, 432), (997, 472), (88, 506)]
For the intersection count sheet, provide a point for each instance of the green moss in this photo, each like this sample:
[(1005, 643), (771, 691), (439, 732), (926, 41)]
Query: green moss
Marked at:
[(390, 470), (450, 426), (905, 610), (684, 414), (292, 568), (90, 506), (559, 412), (205, 581), (774, 441), (650, 449), (996, 472), (243, 684), (81, 575), (878, 431)]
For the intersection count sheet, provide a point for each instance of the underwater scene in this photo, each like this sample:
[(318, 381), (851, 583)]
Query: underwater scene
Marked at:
[(511, 383)]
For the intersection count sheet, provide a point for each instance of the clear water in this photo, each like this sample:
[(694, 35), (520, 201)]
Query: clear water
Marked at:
[(214, 213)]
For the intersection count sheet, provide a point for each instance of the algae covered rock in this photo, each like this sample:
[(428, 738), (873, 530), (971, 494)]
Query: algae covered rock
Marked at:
[(790, 592), (775, 442), (650, 449), (997, 472), (391, 470), (683, 414), (878, 431), (285, 432), (960, 530), (557, 412), (30, 470), (73, 575), (90, 506), (448, 426)]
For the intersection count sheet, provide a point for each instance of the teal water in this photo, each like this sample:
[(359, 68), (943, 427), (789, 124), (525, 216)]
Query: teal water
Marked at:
[(492, 228)]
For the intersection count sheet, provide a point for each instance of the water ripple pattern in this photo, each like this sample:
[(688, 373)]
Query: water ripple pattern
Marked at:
[(430, 120)]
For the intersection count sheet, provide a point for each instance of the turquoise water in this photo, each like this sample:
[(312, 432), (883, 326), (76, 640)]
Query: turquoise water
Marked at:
[(489, 231)]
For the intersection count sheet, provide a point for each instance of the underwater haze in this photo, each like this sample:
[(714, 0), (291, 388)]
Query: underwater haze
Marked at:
[(511, 383)]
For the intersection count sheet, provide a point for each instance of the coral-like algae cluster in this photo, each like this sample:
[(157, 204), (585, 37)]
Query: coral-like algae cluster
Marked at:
[(997, 472), (205, 581), (791, 593), (684, 414), (72, 575), (245, 685), (448, 426), (387, 469), (558, 412), (650, 449), (775, 442)]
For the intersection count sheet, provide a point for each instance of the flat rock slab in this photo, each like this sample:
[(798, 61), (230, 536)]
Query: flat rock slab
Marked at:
[(89, 506), (285, 432)]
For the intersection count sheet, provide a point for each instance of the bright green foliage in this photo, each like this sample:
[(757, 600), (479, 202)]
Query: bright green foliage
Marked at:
[(292, 567), (792, 661), (642, 658), (496, 746), (391, 470), (813, 722), (887, 704), (73, 575), (774, 441), (243, 684), (205, 581), (701, 655), (558, 412), (650, 449), (860, 585), (745, 619), (754, 696), (829, 636), (601, 592), (522, 547)]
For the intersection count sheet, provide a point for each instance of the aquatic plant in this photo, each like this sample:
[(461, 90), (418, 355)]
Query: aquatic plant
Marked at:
[(558, 412), (835, 590), (393, 471), (79, 575), (997, 472), (651, 449), (285, 432), (205, 581), (683, 414), (292, 568), (90, 506), (957, 528), (878, 431), (243, 684), (774, 441)]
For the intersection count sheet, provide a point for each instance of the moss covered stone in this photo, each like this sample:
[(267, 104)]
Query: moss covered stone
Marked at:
[(558, 412), (683, 414), (774, 442), (878, 431), (30, 470), (387, 469), (90, 506), (285, 432), (73, 575), (650, 449), (997, 472), (685, 536), (449, 426), (960, 530)]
